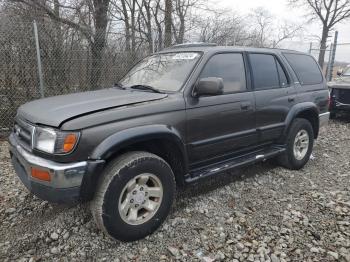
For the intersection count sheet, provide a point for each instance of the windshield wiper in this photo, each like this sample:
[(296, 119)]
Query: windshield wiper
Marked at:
[(119, 86), (146, 87)]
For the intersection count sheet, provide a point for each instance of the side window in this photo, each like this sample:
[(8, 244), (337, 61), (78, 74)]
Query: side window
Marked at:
[(283, 77), (306, 68), (229, 67), (265, 74)]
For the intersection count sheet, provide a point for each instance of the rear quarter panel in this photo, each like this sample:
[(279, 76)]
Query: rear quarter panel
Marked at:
[(317, 93)]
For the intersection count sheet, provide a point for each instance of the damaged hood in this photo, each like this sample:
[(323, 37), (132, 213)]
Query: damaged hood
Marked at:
[(53, 111)]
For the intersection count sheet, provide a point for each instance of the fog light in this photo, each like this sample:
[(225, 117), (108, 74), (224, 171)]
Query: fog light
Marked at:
[(41, 174)]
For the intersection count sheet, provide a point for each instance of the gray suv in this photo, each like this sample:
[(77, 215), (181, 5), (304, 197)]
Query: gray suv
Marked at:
[(178, 116)]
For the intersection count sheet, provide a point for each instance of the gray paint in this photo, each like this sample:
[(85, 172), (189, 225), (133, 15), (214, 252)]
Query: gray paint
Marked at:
[(209, 128), (53, 111)]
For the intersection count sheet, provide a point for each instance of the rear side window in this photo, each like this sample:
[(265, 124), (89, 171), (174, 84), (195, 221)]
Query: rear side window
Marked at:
[(265, 73), (306, 68), (229, 67)]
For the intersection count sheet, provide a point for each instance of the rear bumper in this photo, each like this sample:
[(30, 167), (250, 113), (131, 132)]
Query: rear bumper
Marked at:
[(336, 105), (323, 119), (66, 178)]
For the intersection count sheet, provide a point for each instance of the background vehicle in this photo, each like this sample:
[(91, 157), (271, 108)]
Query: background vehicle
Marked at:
[(179, 115), (340, 93)]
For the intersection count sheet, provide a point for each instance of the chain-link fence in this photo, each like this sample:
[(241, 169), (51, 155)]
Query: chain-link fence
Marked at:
[(342, 58), (315, 51), (57, 59), (69, 62), (337, 56)]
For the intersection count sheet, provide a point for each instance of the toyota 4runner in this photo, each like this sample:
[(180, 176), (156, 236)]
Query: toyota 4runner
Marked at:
[(186, 113)]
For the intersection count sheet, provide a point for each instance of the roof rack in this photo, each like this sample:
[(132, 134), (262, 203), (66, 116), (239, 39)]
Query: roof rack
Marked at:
[(194, 44)]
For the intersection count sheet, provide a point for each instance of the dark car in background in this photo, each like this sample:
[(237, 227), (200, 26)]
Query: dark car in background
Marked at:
[(340, 93)]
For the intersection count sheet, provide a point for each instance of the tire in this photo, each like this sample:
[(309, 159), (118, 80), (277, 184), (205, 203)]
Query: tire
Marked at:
[(297, 160), (115, 201)]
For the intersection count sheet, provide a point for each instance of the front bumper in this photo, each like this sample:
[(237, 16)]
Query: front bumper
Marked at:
[(323, 119), (66, 178)]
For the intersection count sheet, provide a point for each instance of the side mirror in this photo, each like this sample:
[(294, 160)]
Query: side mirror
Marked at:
[(339, 72), (209, 86)]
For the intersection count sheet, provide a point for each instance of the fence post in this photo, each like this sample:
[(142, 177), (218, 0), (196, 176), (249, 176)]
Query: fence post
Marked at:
[(328, 70), (40, 73), (333, 55), (310, 48)]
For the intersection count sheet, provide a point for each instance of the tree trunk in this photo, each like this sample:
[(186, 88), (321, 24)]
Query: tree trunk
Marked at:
[(323, 45), (181, 30), (159, 27), (99, 41), (160, 36), (59, 70), (127, 27), (133, 35), (149, 28), (167, 20)]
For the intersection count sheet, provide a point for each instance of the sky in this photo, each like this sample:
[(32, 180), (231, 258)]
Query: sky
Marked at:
[(281, 10)]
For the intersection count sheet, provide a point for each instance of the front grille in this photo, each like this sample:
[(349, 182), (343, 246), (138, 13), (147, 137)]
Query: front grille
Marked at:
[(24, 133)]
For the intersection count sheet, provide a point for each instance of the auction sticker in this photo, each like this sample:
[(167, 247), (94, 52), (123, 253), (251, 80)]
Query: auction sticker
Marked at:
[(185, 56)]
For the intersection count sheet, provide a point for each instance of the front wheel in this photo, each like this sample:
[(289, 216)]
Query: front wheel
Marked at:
[(299, 145), (134, 196)]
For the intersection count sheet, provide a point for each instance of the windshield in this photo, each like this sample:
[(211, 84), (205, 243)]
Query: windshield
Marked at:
[(346, 72), (165, 72)]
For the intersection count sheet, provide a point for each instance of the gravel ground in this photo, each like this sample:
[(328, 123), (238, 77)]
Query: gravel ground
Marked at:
[(260, 213)]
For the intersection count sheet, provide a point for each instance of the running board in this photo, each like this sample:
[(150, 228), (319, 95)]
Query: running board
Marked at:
[(239, 161)]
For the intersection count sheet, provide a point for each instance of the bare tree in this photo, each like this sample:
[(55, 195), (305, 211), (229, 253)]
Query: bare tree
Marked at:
[(261, 23), (329, 13), (223, 30), (127, 11), (286, 31), (266, 31), (159, 20), (168, 22), (145, 22), (93, 26), (180, 13)]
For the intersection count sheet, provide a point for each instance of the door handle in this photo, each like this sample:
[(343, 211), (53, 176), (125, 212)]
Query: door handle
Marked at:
[(245, 105), (291, 99)]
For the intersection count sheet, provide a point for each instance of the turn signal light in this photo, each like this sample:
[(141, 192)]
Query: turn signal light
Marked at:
[(69, 142), (41, 174)]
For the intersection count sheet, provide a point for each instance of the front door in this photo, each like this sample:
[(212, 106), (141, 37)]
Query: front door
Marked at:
[(219, 125)]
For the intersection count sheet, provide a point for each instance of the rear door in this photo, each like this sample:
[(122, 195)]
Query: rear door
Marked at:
[(221, 124), (312, 85), (274, 94)]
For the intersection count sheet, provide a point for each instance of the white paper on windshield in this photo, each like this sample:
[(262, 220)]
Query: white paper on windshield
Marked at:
[(185, 56)]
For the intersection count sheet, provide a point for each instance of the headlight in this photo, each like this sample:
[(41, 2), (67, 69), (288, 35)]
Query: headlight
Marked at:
[(54, 142)]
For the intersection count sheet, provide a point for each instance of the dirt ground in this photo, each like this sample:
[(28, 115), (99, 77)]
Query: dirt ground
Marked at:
[(259, 213)]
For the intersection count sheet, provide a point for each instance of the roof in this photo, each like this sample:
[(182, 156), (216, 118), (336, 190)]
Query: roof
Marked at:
[(210, 47)]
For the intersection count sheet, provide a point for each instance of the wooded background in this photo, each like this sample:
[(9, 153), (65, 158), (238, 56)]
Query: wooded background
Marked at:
[(90, 44)]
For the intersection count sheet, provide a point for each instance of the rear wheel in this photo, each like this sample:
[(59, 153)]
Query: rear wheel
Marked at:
[(134, 196), (299, 144)]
